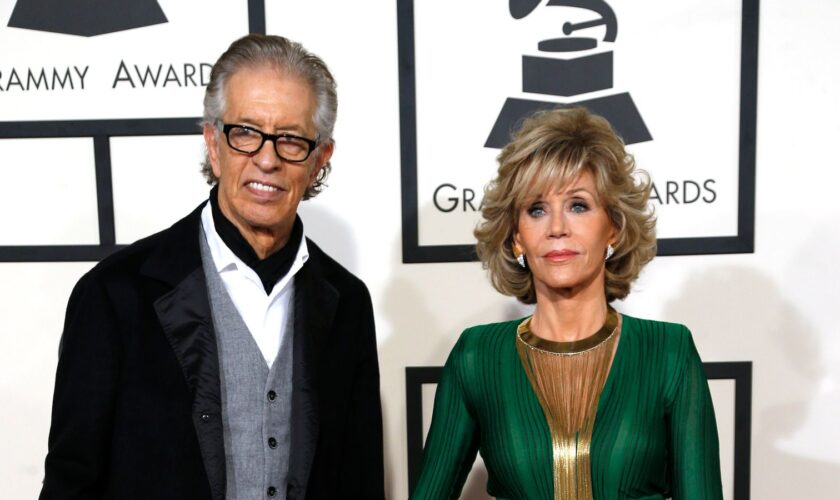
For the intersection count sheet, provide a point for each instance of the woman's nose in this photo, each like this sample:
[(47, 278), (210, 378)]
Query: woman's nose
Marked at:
[(558, 225)]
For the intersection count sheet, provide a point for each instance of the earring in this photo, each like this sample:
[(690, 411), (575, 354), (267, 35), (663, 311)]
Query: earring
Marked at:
[(610, 251), (520, 257)]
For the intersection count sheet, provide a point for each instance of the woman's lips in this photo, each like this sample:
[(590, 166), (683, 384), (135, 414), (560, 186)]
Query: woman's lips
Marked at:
[(559, 255)]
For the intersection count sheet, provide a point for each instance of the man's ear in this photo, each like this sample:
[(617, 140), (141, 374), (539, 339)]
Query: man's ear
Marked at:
[(212, 144), (325, 152)]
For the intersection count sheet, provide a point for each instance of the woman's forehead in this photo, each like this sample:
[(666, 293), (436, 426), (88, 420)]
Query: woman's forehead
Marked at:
[(558, 179)]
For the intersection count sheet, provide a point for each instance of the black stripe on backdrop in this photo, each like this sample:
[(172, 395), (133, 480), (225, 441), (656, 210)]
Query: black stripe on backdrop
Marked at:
[(101, 131)]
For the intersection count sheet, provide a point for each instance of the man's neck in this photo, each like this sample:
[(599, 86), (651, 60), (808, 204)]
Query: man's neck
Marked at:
[(269, 256), (263, 241)]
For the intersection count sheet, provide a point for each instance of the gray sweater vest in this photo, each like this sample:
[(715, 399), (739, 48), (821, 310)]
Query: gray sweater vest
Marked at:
[(256, 401)]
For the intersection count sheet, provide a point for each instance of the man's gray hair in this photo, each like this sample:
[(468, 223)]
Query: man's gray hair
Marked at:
[(256, 51)]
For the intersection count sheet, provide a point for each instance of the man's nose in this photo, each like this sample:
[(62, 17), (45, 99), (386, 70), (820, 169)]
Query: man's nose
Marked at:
[(266, 157)]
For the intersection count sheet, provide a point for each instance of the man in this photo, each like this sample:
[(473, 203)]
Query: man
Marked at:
[(227, 356)]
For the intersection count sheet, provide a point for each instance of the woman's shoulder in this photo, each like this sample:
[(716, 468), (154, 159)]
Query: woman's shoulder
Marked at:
[(488, 336), (673, 340), (660, 343), (653, 329), (502, 327)]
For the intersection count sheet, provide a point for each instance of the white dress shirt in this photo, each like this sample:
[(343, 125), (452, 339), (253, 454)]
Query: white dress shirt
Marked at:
[(270, 317)]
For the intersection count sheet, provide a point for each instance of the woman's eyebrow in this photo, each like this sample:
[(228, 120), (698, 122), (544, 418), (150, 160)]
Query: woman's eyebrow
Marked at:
[(577, 190)]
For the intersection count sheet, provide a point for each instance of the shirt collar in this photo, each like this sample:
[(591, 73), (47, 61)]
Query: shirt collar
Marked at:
[(225, 260)]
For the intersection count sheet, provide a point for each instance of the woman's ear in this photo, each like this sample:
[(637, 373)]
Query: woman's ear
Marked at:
[(612, 238), (517, 247)]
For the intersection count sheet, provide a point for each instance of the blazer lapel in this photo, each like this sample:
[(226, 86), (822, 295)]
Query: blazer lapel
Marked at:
[(315, 304), (184, 314)]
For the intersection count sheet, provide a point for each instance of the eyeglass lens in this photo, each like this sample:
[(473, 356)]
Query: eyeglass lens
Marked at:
[(250, 141)]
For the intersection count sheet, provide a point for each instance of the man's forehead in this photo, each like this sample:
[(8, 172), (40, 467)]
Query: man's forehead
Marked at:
[(265, 75), (265, 79), (265, 91)]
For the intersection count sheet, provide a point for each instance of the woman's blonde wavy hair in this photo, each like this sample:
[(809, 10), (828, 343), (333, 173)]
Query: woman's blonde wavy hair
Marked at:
[(550, 150)]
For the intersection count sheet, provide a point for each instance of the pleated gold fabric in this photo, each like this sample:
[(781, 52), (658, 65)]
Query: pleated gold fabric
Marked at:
[(568, 378)]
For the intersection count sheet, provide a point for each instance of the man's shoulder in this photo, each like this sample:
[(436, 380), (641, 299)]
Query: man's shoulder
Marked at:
[(170, 243), (331, 269)]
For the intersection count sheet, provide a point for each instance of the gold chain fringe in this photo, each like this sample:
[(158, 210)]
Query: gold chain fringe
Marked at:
[(568, 378)]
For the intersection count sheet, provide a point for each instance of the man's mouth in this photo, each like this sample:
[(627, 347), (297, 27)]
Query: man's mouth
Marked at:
[(259, 186)]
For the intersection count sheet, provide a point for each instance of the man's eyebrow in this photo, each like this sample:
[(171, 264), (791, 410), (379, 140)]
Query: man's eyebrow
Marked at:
[(253, 123)]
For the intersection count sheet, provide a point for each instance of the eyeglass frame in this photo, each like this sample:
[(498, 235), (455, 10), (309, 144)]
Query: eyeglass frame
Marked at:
[(227, 127)]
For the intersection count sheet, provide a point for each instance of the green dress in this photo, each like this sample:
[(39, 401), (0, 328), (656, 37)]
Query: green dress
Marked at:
[(654, 437)]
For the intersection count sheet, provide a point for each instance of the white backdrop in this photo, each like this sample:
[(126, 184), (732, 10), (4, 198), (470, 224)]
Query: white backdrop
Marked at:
[(772, 307)]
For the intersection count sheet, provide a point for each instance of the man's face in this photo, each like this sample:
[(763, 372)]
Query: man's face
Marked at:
[(259, 192)]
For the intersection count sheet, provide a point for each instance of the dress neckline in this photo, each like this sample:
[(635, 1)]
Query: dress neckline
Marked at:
[(529, 338)]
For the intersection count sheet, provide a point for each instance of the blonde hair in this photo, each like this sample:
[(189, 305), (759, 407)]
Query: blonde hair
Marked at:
[(551, 149)]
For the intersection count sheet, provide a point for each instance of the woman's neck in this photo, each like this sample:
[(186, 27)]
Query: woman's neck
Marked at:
[(563, 318)]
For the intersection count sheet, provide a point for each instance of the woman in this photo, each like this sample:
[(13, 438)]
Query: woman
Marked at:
[(576, 401)]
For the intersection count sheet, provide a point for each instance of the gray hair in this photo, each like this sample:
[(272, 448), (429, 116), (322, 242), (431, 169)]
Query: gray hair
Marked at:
[(254, 51)]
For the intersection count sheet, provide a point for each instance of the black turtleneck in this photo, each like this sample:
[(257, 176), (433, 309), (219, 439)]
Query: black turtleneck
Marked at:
[(273, 267)]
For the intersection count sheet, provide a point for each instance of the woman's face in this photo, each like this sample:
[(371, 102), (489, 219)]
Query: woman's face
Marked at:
[(564, 236)]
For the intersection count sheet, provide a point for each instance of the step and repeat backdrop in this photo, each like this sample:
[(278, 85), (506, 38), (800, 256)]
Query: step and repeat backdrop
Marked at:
[(728, 104), (661, 97)]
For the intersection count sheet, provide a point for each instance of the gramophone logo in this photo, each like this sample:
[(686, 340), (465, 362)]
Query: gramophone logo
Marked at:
[(85, 17), (457, 110), (570, 69)]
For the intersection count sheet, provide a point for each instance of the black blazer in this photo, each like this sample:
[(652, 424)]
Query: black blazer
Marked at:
[(137, 406)]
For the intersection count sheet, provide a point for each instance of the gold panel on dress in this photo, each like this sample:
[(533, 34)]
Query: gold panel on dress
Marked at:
[(568, 378)]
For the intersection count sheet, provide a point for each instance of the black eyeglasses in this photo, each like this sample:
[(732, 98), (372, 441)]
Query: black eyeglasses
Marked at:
[(291, 148)]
